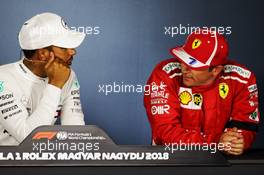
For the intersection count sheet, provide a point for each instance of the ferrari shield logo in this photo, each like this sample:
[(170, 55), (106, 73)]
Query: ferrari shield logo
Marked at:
[(196, 43), (223, 90)]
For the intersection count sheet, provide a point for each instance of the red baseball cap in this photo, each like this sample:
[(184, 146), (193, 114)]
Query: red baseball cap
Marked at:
[(202, 49)]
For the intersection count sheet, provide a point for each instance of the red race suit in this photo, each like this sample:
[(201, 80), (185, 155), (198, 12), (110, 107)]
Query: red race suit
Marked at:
[(201, 114)]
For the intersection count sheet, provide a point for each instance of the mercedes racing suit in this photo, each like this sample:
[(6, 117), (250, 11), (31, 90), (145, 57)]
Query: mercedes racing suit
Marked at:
[(201, 114), (28, 101)]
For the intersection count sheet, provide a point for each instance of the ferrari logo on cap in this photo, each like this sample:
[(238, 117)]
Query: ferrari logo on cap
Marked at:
[(196, 43), (223, 90)]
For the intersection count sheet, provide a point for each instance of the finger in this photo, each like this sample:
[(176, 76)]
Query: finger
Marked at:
[(52, 55), (52, 58), (237, 146), (239, 136), (234, 129), (227, 146), (235, 153), (237, 141), (228, 138), (234, 134), (236, 149)]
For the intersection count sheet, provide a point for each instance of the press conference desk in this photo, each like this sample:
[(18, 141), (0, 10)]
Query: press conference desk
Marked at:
[(248, 164), (191, 162)]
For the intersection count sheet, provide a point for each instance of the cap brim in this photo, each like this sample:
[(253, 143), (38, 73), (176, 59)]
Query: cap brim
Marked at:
[(71, 39), (187, 59)]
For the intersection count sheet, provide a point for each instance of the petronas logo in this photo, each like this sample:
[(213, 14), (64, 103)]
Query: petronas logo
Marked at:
[(1, 86), (76, 84)]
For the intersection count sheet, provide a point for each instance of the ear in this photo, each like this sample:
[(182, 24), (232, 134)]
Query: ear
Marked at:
[(43, 54), (217, 69)]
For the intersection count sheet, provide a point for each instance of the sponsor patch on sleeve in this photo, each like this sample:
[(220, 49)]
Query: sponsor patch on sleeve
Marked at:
[(171, 66), (252, 88), (254, 116), (239, 70)]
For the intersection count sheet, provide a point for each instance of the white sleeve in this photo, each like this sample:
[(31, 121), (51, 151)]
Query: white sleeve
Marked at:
[(14, 116), (72, 113)]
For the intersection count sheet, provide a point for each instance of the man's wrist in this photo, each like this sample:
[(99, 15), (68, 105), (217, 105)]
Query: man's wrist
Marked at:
[(58, 85)]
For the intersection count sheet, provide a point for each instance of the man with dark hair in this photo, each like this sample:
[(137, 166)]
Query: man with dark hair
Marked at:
[(41, 87), (202, 97)]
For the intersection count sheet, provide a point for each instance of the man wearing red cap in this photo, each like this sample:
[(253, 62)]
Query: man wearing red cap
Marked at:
[(202, 97)]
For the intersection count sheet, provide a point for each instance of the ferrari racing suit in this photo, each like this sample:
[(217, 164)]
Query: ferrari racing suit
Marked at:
[(201, 114)]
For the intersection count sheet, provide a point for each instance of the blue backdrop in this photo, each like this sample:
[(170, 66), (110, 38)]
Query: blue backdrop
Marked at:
[(126, 39)]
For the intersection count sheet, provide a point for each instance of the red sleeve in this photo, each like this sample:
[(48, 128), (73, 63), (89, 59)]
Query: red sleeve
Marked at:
[(163, 109), (245, 113)]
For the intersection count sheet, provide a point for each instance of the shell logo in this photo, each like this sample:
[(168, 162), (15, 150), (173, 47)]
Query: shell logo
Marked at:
[(185, 97)]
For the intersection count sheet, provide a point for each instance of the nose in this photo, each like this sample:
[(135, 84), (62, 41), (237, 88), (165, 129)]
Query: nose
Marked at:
[(72, 52), (184, 68)]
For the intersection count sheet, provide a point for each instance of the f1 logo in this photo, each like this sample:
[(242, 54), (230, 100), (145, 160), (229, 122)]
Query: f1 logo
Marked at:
[(44, 135)]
